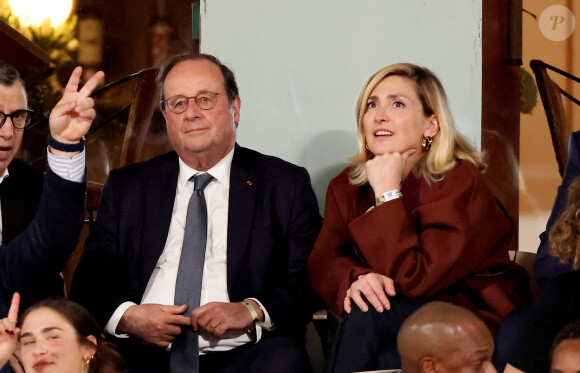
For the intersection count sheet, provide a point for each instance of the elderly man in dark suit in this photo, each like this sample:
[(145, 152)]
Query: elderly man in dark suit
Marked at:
[(247, 308), (42, 249)]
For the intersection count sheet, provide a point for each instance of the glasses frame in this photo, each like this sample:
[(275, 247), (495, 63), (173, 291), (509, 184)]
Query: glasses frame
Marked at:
[(11, 116), (165, 105)]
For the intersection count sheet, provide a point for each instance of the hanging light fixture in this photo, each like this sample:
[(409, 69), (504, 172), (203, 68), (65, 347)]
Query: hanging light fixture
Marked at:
[(34, 12)]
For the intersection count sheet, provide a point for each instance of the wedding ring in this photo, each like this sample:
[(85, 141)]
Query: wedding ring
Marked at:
[(213, 326), (347, 298)]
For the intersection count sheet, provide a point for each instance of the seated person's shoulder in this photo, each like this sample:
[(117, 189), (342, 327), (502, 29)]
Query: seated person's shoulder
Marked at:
[(22, 169), (466, 168), (464, 175), (275, 167), (25, 179), (145, 169)]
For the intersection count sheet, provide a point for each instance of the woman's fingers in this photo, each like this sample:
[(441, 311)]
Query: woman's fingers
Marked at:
[(347, 306), (375, 289), (378, 287), (13, 311), (357, 298), (389, 286)]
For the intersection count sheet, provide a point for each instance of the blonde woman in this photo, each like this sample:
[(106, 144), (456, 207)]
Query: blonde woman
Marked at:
[(409, 220)]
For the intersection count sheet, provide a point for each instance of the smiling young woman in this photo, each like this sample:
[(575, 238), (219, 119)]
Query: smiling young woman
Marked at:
[(57, 335)]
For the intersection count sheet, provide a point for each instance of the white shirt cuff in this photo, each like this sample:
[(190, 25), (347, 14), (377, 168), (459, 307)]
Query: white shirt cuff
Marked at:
[(72, 169), (267, 319), (111, 326)]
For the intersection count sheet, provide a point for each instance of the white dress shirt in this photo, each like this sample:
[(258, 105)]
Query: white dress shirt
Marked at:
[(161, 286)]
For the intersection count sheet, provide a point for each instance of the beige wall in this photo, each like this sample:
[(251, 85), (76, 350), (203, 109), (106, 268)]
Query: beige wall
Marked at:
[(539, 171)]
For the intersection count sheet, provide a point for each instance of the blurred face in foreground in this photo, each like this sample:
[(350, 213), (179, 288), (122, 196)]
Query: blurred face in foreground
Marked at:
[(566, 357), (470, 351)]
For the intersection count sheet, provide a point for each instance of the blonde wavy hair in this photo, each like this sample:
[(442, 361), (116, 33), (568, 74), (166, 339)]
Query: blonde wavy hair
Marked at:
[(448, 144), (564, 237)]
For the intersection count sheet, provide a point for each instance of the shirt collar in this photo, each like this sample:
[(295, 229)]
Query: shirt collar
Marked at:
[(221, 171), (4, 175)]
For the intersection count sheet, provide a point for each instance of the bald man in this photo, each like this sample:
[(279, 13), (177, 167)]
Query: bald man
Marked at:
[(442, 337)]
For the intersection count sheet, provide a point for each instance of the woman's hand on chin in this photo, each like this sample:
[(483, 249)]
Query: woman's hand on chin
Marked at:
[(375, 288), (386, 171)]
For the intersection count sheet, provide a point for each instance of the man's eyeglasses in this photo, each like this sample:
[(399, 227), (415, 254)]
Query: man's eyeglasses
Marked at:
[(20, 118), (178, 104)]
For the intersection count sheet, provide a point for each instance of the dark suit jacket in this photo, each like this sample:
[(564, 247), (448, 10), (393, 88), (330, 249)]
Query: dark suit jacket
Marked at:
[(272, 225), (547, 266), (20, 195), (44, 247)]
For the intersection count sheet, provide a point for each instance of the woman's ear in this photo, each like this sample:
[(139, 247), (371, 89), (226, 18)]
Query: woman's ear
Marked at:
[(433, 126), (90, 349)]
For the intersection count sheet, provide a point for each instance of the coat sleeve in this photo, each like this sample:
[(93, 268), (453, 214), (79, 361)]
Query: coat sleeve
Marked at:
[(456, 233), (333, 263), (288, 298), (98, 279), (547, 266), (45, 246)]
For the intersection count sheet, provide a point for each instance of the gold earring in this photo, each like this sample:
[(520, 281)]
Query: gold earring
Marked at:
[(426, 143), (88, 361)]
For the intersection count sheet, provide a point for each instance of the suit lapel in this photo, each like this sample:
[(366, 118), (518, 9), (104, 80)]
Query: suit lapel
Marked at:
[(5, 205), (10, 201), (13, 204), (159, 208), (243, 185)]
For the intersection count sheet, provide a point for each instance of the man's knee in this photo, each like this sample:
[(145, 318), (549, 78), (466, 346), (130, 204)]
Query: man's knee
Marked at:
[(279, 355)]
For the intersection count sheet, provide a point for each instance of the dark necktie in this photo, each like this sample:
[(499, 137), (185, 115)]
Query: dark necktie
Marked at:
[(184, 349)]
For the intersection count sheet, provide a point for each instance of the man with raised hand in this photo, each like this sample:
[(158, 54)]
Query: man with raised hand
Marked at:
[(43, 248)]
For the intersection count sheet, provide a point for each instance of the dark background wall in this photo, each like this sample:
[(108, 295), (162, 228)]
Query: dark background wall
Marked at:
[(127, 28)]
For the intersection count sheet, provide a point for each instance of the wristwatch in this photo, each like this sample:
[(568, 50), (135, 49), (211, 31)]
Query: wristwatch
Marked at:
[(69, 148), (388, 196), (254, 314)]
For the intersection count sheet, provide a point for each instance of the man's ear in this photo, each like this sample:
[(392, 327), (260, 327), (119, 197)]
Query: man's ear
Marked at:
[(428, 364), (163, 110), (236, 106)]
